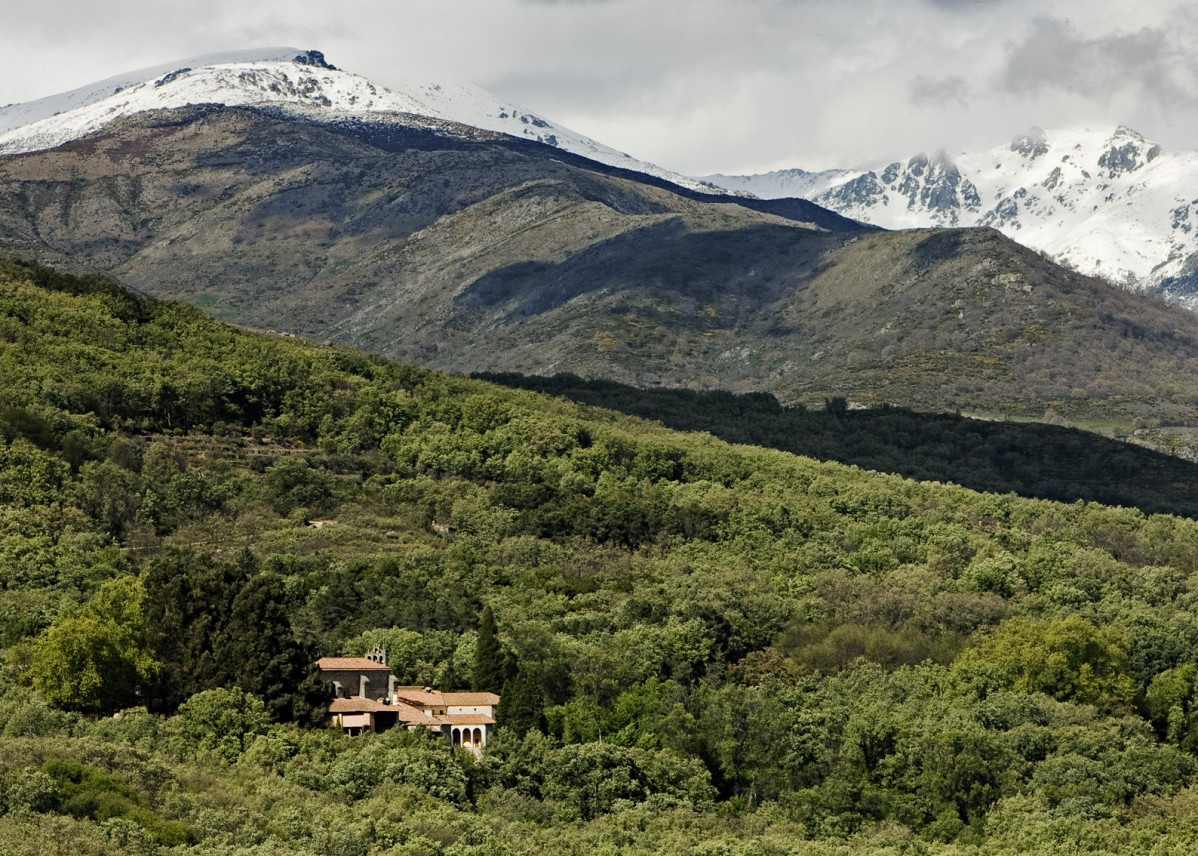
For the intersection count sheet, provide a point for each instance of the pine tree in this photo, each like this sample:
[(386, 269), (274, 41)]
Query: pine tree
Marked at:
[(488, 657)]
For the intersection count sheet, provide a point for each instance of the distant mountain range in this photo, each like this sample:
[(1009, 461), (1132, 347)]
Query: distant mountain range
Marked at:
[(298, 198), (1106, 203)]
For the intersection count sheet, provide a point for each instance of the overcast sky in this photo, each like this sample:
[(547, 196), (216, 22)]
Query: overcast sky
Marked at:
[(697, 86)]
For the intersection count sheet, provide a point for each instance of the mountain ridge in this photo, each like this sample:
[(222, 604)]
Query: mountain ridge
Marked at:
[(470, 250), (1106, 203), (1110, 204), (319, 91)]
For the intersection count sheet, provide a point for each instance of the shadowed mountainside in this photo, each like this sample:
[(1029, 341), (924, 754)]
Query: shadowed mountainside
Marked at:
[(1026, 458)]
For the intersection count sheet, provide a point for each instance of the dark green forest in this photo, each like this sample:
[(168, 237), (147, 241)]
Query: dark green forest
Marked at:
[(704, 648), (1031, 459)]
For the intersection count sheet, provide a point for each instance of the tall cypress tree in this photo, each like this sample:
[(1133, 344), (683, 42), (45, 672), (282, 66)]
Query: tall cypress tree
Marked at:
[(489, 672), (522, 705)]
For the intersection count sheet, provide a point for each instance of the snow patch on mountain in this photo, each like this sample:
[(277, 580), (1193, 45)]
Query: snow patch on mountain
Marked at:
[(783, 184), (308, 89), (1107, 203), (16, 116), (301, 82), (480, 108)]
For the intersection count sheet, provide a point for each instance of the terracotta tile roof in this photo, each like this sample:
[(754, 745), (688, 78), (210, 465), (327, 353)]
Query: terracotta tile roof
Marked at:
[(467, 719), (365, 707), (350, 664), (470, 699), (357, 705), (413, 716), (417, 696)]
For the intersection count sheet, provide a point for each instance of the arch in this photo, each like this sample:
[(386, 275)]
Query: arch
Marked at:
[(457, 737), (478, 737)]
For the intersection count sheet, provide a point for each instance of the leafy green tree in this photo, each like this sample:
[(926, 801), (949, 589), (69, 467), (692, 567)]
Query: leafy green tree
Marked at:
[(667, 772), (188, 606), (224, 721), (1068, 658), (964, 768), (110, 494), (95, 658), (592, 776), (521, 704), (426, 762), (1171, 704), (29, 476), (294, 483)]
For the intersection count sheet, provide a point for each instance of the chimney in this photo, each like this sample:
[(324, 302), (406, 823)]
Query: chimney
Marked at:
[(362, 686), (391, 682)]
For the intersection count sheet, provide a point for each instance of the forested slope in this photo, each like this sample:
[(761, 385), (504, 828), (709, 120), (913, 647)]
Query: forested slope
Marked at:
[(1028, 458), (707, 648)]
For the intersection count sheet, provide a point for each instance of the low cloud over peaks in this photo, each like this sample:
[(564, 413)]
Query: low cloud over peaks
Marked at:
[(939, 91)]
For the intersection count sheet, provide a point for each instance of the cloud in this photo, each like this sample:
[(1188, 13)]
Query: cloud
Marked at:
[(965, 4), (1153, 62), (939, 91), (697, 85)]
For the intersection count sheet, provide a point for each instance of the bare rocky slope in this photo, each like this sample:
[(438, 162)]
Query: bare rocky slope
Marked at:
[(466, 250)]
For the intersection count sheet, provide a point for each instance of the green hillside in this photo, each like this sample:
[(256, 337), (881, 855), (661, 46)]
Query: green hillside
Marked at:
[(707, 648), (1028, 458)]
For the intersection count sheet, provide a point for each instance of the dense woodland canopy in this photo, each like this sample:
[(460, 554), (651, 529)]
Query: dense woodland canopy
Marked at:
[(1032, 459), (704, 648)]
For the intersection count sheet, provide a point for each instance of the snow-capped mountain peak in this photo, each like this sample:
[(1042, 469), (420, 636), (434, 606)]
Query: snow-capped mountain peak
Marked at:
[(282, 77), (1106, 202), (297, 81), (15, 116), (1030, 145)]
